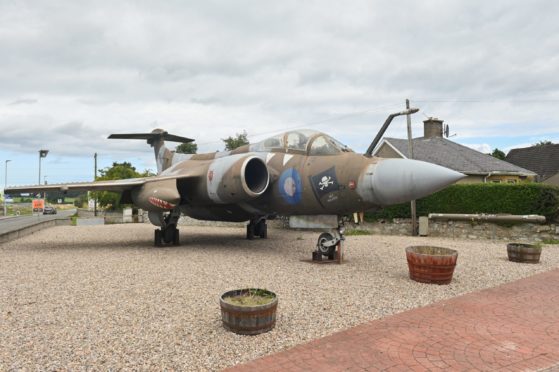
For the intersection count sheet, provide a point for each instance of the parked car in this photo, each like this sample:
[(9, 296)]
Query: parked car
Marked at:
[(49, 210)]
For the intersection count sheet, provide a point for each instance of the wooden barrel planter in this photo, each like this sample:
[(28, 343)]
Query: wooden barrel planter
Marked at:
[(428, 264), (245, 314), (521, 252)]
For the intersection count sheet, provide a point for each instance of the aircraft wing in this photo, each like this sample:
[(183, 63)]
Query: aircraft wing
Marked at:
[(111, 185)]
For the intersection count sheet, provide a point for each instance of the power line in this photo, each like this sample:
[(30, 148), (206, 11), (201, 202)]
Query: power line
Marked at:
[(480, 100)]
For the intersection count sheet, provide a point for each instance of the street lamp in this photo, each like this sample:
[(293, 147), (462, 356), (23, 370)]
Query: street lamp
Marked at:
[(42, 154), (5, 185)]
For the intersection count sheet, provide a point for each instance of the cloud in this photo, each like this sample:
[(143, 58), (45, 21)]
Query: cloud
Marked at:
[(211, 69), (23, 101), (481, 147)]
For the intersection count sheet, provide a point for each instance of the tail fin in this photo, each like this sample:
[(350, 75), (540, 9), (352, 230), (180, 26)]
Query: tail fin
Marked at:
[(157, 137)]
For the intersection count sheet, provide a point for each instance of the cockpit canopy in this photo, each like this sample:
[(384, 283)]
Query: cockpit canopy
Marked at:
[(304, 140)]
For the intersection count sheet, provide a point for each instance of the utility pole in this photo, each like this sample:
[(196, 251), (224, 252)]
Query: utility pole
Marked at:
[(410, 156), (5, 185), (94, 178)]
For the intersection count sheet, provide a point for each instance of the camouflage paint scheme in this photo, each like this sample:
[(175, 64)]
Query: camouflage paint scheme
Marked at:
[(293, 194), (301, 172)]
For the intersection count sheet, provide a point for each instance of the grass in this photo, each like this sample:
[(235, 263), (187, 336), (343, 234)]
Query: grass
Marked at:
[(23, 211), (356, 232), (432, 251), (550, 241), (251, 297)]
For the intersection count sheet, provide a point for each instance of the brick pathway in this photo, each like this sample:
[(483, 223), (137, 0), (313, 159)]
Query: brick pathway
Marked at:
[(514, 327)]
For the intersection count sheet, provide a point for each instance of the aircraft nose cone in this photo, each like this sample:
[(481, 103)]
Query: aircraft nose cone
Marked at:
[(400, 180)]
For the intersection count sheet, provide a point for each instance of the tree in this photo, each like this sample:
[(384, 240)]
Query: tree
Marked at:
[(118, 171), (543, 143), (498, 154), (240, 139), (187, 148)]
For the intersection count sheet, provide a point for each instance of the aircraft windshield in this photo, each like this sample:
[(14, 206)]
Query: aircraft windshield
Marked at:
[(305, 140)]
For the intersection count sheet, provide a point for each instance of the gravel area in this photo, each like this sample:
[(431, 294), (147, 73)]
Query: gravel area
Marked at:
[(102, 297)]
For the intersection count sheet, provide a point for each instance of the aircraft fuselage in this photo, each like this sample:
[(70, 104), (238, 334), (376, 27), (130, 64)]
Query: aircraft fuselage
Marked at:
[(298, 185)]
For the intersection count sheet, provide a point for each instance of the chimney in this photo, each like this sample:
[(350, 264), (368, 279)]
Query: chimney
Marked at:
[(433, 128)]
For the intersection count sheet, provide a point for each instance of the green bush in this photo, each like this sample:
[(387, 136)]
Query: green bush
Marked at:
[(528, 198)]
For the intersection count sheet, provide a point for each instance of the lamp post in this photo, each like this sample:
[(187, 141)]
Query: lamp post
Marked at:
[(42, 154), (5, 185)]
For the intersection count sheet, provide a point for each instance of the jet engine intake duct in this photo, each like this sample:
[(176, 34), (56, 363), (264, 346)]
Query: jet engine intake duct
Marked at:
[(237, 180), (255, 176)]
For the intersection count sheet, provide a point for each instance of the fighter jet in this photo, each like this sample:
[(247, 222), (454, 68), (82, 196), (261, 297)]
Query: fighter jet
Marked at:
[(304, 174)]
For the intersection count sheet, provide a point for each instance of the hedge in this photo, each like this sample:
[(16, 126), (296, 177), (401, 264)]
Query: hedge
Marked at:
[(527, 198)]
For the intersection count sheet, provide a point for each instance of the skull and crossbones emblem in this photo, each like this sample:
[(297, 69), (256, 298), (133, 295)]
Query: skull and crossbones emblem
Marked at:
[(325, 182)]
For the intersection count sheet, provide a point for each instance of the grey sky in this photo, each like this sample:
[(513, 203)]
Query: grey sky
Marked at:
[(73, 72)]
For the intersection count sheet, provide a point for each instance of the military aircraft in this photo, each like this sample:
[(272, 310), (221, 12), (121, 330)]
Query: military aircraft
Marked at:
[(304, 174)]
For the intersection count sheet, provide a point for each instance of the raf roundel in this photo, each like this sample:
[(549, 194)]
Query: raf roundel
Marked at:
[(290, 186)]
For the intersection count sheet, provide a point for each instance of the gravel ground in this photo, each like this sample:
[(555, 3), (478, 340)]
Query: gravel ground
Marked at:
[(102, 297)]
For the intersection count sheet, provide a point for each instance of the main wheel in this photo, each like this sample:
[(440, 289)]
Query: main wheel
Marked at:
[(325, 250), (176, 238), (250, 231), (169, 234), (157, 238), (261, 229)]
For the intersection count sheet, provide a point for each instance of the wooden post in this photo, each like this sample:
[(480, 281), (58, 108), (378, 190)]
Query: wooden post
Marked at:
[(410, 156), (94, 178)]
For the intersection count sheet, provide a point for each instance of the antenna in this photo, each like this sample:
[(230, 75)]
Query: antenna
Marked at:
[(446, 130)]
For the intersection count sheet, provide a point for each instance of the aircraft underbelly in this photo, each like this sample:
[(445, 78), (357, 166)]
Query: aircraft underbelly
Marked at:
[(230, 213)]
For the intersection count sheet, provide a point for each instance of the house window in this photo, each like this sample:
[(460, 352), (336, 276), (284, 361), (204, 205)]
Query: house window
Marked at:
[(511, 181), (495, 181)]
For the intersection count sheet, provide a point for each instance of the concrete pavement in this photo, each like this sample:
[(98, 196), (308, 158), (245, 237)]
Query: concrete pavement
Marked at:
[(14, 227)]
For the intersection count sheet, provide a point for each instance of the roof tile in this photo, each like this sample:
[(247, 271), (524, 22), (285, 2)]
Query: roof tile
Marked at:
[(452, 155), (543, 159)]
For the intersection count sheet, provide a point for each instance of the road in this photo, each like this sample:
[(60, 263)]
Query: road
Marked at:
[(8, 224)]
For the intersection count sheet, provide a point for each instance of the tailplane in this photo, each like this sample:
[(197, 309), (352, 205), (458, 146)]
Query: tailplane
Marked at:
[(157, 138)]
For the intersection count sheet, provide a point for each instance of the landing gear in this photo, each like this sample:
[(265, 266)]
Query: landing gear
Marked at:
[(257, 227), (168, 233), (329, 244), (326, 244)]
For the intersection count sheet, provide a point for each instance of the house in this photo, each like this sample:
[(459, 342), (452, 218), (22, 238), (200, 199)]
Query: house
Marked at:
[(434, 148), (541, 159)]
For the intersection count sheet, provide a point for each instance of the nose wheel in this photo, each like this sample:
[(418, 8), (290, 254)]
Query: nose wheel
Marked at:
[(326, 244), (329, 245)]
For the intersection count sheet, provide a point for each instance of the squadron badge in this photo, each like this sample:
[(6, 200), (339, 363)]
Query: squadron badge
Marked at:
[(290, 186), (325, 183)]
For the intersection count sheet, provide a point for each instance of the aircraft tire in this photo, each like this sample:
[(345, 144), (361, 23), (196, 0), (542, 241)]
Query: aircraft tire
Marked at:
[(169, 233), (326, 251), (176, 237), (263, 230), (250, 231), (157, 238)]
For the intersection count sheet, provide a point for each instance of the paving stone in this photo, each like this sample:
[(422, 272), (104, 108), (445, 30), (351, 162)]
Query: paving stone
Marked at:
[(498, 328)]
